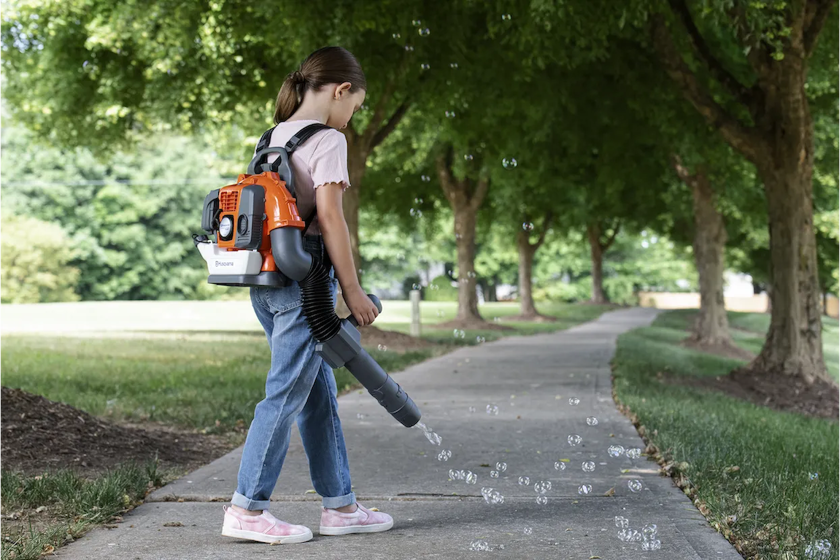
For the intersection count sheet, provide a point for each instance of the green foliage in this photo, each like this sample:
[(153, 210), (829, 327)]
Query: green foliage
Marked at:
[(35, 257), (127, 220), (443, 290)]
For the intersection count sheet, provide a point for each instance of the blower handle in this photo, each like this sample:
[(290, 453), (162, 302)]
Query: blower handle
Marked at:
[(352, 319)]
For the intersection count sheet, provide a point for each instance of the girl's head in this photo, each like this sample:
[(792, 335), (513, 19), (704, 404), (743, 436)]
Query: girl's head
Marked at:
[(330, 83)]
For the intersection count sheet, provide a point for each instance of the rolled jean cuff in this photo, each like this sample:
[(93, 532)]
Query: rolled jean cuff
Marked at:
[(339, 501), (249, 504)]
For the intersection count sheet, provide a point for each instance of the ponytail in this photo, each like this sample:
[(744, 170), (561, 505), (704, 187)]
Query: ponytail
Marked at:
[(327, 65)]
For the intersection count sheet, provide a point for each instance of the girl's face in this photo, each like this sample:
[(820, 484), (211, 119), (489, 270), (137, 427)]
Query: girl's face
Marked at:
[(346, 105)]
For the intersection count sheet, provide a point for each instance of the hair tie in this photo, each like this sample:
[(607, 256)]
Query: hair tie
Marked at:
[(298, 77)]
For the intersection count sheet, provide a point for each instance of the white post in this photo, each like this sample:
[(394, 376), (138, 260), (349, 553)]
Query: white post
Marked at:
[(414, 297)]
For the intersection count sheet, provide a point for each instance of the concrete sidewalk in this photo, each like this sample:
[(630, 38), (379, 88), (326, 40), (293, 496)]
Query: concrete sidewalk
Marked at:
[(395, 469)]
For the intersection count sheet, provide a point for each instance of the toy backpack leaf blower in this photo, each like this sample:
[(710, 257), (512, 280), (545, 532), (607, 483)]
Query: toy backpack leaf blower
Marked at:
[(259, 241)]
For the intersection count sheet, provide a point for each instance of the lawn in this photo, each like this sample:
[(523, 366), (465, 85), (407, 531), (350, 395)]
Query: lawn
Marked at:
[(784, 493)]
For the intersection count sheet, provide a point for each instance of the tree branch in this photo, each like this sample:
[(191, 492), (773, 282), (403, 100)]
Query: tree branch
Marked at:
[(443, 161), (740, 137), (611, 238), (549, 216), (392, 123), (736, 88), (480, 192), (816, 14)]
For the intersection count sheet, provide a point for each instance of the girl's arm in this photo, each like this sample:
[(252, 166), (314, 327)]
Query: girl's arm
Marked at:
[(336, 234)]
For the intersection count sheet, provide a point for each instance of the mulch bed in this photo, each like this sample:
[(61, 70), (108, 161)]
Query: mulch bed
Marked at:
[(773, 390), (42, 435), (373, 336)]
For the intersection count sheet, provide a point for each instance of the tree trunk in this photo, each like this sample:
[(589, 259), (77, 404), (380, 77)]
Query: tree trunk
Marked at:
[(465, 196), (593, 231), (465, 242), (711, 326), (526, 263), (794, 341)]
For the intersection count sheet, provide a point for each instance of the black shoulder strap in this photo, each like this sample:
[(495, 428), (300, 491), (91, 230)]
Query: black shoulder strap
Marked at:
[(285, 158)]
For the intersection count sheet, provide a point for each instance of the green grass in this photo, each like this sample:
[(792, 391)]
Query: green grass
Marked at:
[(748, 331), (69, 505), (779, 509)]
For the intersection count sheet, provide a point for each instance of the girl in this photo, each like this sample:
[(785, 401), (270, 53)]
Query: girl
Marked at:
[(329, 87)]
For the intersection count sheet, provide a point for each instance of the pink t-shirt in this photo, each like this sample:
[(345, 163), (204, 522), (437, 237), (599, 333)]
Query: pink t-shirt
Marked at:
[(320, 160)]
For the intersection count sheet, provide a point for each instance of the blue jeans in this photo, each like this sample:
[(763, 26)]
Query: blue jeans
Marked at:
[(300, 386)]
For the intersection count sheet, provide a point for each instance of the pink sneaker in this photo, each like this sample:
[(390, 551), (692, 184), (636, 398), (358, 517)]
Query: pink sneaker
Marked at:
[(263, 528), (362, 520)]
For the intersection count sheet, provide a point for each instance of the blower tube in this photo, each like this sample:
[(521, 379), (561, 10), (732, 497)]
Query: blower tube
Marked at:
[(338, 339)]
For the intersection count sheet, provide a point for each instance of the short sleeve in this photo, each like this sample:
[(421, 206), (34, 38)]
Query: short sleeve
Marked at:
[(328, 163)]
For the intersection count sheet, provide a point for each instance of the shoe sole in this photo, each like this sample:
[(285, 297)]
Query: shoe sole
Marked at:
[(376, 528), (262, 537)]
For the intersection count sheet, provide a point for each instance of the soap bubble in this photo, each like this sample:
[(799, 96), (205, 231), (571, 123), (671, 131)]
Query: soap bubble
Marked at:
[(813, 476), (542, 486), (471, 477), (395, 36), (418, 200), (527, 226), (409, 48), (574, 439), (527, 530), (360, 415), (450, 114), (509, 163), (633, 453), (501, 467), (649, 531), (452, 474), (621, 522), (382, 347), (444, 455), (416, 212), (655, 544), (634, 485), (424, 32), (468, 157), (616, 450), (559, 466), (453, 65), (494, 474), (818, 550), (424, 66), (574, 401), (505, 17), (480, 340), (479, 546), (542, 500), (492, 409), (524, 481), (584, 489), (416, 22), (588, 466), (472, 409), (592, 421), (425, 178)]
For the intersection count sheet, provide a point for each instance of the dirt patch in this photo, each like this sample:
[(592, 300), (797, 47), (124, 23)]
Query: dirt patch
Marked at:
[(373, 336), (43, 435), (725, 350), (533, 318), (473, 324), (776, 391)]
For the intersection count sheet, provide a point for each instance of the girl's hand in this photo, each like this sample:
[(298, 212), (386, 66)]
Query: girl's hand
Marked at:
[(360, 305)]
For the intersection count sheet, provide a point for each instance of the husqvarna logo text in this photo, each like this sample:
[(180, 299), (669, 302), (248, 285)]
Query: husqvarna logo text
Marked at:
[(224, 263)]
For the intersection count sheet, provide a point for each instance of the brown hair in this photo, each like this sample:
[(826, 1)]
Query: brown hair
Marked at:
[(327, 65)]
